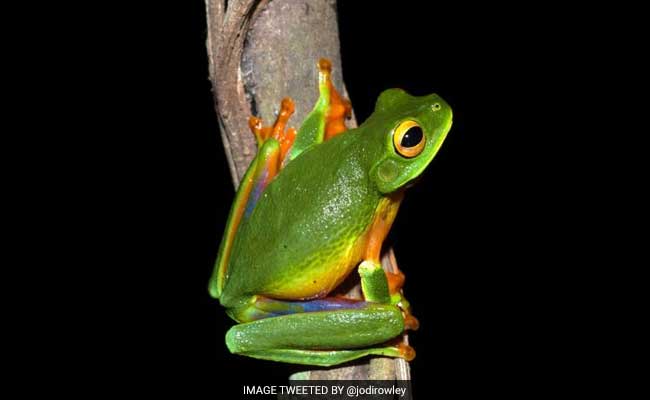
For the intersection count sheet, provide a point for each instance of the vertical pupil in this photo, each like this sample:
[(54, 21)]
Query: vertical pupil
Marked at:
[(412, 137)]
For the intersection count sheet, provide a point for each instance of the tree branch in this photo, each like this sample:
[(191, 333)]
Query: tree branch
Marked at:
[(259, 52)]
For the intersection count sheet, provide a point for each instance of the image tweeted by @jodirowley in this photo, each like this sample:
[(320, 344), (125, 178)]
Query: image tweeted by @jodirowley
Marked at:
[(383, 390)]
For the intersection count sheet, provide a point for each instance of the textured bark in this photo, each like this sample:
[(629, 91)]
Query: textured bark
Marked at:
[(259, 52)]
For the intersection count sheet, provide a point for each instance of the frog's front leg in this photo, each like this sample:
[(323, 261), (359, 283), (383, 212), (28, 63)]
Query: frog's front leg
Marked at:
[(379, 285), (376, 287)]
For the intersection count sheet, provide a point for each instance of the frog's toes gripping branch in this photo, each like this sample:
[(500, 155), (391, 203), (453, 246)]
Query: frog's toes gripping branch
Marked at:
[(395, 284), (339, 108), (326, 120), (278, 131)]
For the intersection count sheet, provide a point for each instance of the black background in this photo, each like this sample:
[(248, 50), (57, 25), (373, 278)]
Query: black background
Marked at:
[(484, 276)]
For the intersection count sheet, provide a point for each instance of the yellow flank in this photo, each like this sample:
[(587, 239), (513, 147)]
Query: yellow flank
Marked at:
[(332, 271), (327, 276)]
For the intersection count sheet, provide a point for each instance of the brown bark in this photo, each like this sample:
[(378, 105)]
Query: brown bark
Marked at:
[(259, 52)]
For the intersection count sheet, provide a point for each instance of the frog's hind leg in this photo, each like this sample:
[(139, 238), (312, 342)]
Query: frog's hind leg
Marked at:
[(274, 141), (277, 145), (326, 119), (319, 332), (340, 108), (324, 331)]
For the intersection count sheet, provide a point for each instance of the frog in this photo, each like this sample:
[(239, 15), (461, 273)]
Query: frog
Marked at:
[(315, 205)]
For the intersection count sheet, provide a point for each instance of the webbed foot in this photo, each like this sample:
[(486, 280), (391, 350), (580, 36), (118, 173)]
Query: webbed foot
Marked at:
[(278, 131)]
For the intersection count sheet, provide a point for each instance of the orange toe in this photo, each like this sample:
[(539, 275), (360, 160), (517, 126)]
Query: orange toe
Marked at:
[(411, 323), (406, 352)]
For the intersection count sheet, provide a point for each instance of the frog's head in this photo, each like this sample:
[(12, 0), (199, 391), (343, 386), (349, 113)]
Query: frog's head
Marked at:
[(412, 130)]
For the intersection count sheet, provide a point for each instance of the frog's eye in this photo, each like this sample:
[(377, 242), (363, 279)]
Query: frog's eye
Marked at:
[(409, 139)]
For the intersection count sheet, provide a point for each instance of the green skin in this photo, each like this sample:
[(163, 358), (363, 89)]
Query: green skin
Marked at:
[(304, 235)]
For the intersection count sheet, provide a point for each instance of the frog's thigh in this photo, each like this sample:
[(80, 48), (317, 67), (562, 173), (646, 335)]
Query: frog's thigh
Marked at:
[(321, 337)]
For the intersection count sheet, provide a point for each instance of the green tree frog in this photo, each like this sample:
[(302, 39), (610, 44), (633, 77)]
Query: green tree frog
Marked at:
[(314, 205)]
